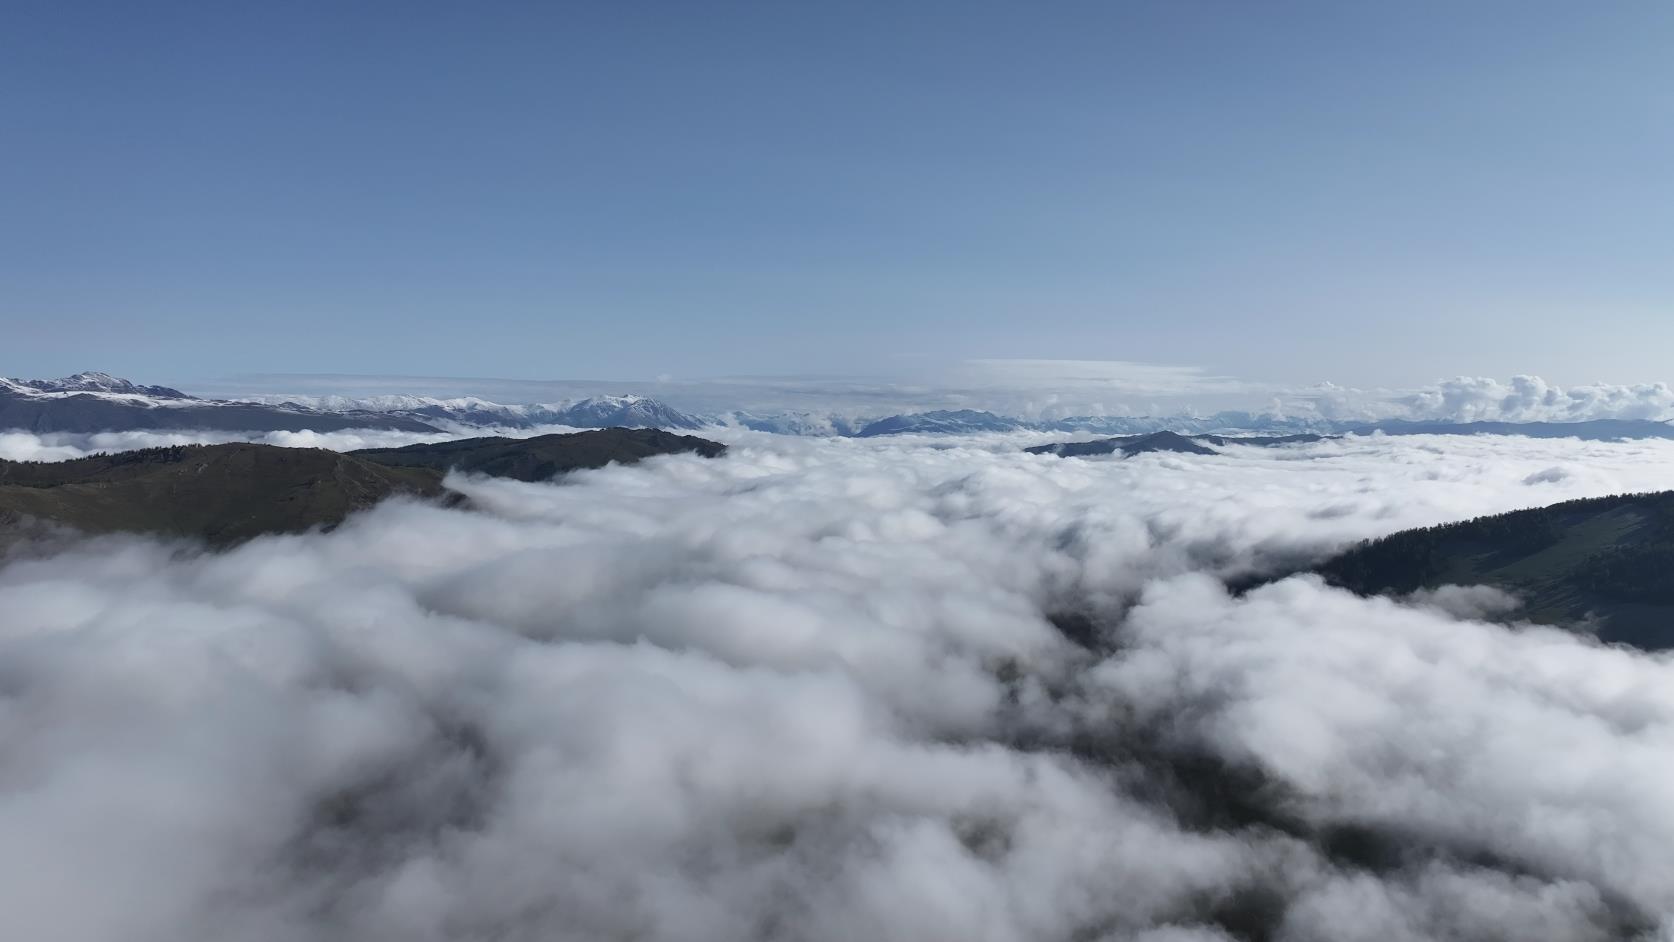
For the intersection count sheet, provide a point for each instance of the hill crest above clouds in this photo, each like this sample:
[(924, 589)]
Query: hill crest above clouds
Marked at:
[(1128, 446), (219, 493), (228, 493), (1601, 563), (542, 457)]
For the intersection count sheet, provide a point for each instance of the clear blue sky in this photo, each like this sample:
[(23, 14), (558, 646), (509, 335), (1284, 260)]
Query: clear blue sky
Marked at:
[(1356, 191)]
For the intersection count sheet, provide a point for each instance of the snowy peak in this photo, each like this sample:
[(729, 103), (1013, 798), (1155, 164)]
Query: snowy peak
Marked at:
[(471, 412), (941, 422), (628, 412), (90, 382)]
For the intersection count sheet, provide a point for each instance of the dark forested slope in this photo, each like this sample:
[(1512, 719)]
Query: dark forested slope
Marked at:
[(224, 494), (220, 493), (545, 456), (1606, 562)]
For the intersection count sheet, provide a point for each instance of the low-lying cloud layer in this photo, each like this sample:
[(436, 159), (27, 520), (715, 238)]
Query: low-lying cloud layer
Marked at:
[(829, 690)]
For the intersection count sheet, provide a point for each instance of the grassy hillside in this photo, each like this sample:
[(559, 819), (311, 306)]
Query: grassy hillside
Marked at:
[(221, 493), (228, 493), (545, 456), (1609, 560)]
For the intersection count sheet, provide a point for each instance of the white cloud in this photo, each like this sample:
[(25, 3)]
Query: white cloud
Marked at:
[(1532, 399), (1484, 399), (809, 691)]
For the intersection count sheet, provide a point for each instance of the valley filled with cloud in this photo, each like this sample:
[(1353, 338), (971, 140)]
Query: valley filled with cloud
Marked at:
[(828, 689)]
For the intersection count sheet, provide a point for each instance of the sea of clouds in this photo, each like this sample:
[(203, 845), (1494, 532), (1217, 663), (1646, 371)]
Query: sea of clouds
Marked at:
[(913, 689)]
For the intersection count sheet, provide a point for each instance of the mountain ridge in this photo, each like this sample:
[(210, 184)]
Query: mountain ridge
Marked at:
[(222, 494), (227, 493), (1598, 564), (1164, 441), (542, 457)]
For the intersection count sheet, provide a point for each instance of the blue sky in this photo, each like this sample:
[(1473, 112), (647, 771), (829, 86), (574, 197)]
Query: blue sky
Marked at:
[(1373, 194)]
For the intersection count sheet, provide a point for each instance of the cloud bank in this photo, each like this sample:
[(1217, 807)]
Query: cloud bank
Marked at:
[(828, 690), (1532, 399)]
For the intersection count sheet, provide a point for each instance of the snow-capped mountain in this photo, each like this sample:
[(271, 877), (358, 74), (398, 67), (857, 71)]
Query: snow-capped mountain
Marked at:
[(100, 402), (941, 422), (94, 383), (628, 412)]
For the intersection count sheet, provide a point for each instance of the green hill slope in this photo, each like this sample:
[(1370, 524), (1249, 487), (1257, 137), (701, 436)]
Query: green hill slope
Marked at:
[(224, 494), (1607, 562), (545, 456), (220, 493)]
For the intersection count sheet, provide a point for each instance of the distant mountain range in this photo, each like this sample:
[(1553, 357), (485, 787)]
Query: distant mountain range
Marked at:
[(1130, 445), (96, 402), (224, 494), (470, 412), (967, 422), (99, 402), (1603, 564)]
